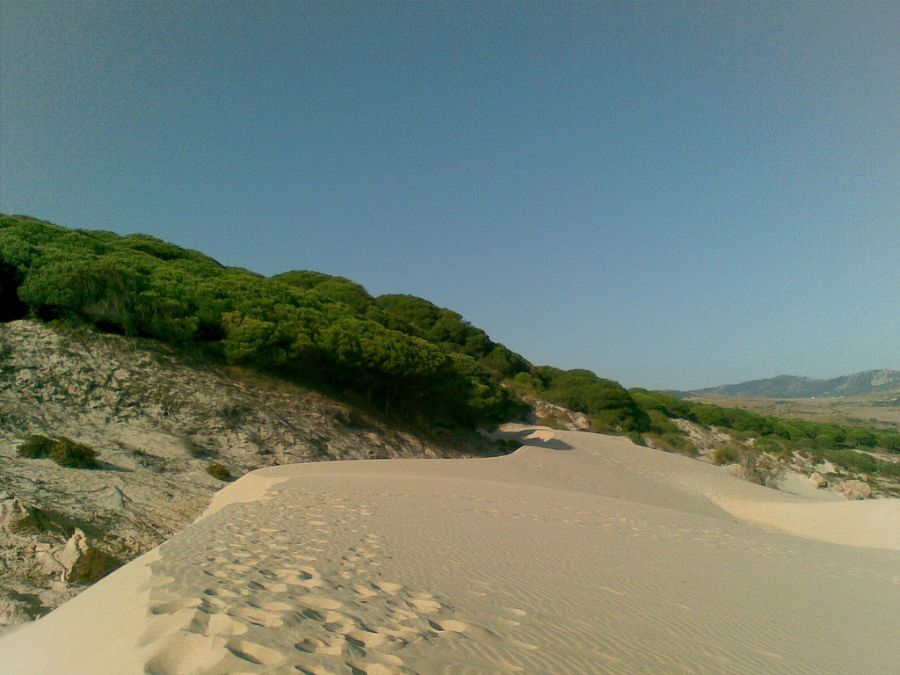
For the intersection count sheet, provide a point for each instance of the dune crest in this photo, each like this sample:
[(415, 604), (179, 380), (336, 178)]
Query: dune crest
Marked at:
[(577, 553)]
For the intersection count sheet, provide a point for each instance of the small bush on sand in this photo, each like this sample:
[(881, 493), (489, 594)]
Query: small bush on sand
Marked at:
[(67, 452), (35, 447), (637, 438), (725, 454), (551, 421), (689, 449), (218, 471), (64, 451)]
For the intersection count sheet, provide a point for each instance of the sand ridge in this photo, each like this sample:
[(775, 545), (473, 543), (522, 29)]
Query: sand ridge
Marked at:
[(578, 553)]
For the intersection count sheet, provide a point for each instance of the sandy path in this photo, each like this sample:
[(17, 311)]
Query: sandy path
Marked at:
[(579, 553)]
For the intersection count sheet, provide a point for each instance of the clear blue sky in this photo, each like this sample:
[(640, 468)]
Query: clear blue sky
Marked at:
[(671, 194)]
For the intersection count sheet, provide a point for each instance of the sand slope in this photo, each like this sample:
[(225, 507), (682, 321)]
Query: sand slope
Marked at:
[(578, 553)]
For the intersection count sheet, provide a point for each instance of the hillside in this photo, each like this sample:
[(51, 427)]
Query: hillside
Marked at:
[(791, 386), (157, 422), (136, 376), (400, 356)]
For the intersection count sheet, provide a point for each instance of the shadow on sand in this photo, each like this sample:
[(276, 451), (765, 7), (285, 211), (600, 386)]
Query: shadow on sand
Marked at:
[(533, 437)]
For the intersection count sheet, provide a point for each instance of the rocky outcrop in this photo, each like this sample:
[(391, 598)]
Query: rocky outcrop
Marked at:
[(16, 517), (855, 489), (565, 418), (83, 563), (818, 480), (156, 421)]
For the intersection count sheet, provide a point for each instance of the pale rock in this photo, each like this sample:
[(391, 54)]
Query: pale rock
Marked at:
[(855, 489), (570, 419), (13, 515), (81, 562), (13, 613), (825, 467), (47, 558)]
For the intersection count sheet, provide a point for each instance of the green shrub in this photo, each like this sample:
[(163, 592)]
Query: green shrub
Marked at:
[(398, 356), (855, 461), (67, 452), (890, 441), (216, 470), (637, 438), (551, 421), (689, 449), (725, 454), (64, 451), (769, 444), (35, 447)]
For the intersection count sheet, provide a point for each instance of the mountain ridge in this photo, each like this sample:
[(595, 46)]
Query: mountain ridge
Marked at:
[(795, 386)]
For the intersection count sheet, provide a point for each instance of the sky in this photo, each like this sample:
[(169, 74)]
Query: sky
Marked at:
[(672, 194)]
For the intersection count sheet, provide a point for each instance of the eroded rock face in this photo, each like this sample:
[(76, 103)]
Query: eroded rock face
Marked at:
[(83, 563), (855, 489), (569, 419), (156, 421)]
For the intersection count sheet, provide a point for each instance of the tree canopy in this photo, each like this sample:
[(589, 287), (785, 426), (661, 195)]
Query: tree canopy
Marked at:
[(307, 325)]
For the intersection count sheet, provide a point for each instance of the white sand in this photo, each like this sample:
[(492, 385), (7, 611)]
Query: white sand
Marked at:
[(578, 553)]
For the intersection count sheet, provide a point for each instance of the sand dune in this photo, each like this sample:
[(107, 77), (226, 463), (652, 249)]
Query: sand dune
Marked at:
[(578, 553)]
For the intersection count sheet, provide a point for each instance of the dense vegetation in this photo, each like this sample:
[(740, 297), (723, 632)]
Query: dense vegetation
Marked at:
[(403, 356), (834, 442), (322, 330), (607, 403)]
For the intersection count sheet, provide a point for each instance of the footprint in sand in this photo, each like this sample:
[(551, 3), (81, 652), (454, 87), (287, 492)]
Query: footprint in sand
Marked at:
[(388, 587), (364, 591), (424, 605), (318, 602), (175, 604), (366, 639), (403, 614), (255, 653), (277, 606), (225, 626), (515, 611), (313, 645), (215, 604), (335, 622), (257, 617), (220, 592), (450, 626), (369, 668), (307, 577)]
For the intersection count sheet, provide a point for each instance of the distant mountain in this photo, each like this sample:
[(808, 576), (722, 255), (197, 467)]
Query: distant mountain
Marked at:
[(791, 386)]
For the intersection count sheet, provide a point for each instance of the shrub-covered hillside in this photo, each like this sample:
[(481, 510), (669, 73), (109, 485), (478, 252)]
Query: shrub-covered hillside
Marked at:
[(836, 443), (301, 325), (401, 355)]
